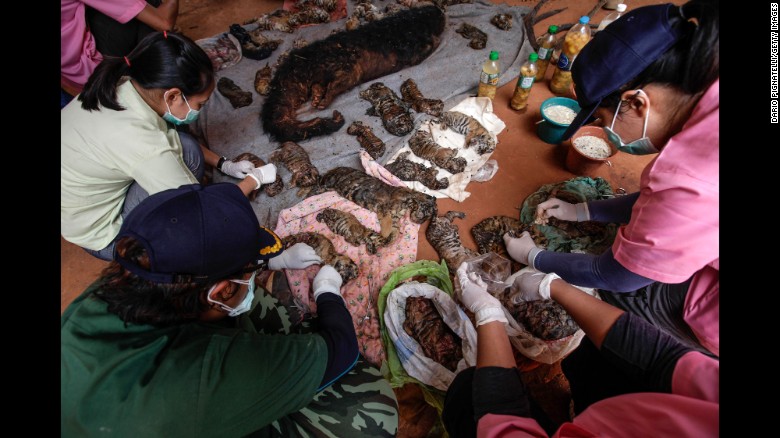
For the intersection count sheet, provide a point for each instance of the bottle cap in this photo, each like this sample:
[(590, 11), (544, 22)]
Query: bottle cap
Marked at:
[(553, 28), (533, 57), (584, 19), (621, 7), (493, 55)]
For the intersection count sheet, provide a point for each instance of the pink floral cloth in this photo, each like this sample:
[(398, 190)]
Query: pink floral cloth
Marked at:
[(361, 293)]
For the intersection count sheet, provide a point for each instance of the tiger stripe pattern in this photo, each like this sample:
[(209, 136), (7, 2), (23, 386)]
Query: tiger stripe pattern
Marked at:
[(477, 136), (349, 227), (423, 145)]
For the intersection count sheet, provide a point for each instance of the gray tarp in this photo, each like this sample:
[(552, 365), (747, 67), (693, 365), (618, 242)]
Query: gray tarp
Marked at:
[(451, 74)]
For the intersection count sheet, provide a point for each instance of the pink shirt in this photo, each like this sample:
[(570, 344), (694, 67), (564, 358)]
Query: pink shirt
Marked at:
[(78, 54), (673, 233), (692, 410)]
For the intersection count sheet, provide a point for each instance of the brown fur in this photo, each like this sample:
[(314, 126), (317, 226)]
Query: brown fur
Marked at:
[(327, 68), (272, 189), (327, 252), (386, 104), (423, 145), (349, 227), (238, 98), (366, 137), (412, 96), (263, 80), (502, 21), (411, 171), (477, 136), (373, 194), (489, 236), (443, 235), (295, 158), (477, 37)]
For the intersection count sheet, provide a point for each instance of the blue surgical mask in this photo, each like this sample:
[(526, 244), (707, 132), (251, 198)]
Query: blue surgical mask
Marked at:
[(245, 305), (191, 116), (642, 146)]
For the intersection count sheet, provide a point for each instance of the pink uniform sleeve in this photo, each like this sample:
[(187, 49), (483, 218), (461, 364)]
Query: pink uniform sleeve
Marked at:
[(674, 226), (697, 376)]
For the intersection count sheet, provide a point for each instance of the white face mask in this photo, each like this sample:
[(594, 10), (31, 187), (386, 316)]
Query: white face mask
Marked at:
[(641, 146), (245, 305)]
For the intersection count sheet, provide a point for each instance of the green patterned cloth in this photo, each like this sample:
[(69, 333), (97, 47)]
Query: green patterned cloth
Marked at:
[(360, 403)]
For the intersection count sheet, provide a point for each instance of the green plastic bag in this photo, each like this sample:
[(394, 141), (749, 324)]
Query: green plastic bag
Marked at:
[(437, 275)]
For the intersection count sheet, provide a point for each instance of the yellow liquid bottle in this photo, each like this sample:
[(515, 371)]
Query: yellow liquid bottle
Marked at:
[(546, 47), (528, 72), (488, 80), (575, 40)]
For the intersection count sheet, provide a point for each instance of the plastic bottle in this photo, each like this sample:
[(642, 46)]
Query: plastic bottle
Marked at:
[(575, 40), (528, 72), (546, 46), (612, 4), (612, 16), (488, 80)]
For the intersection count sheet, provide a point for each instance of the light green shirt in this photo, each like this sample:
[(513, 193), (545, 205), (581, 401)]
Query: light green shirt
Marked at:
[(102, 153)]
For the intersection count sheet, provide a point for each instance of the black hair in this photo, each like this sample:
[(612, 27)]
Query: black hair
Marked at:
[(160, 60), (692, 64), (139, 301)]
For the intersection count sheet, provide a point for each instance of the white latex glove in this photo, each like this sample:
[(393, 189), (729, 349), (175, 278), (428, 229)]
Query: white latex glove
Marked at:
[(534, 285), (263, 174), (474, 295), (327, 280), (237, 170), (522, 249), (298, 256), (554, 207)]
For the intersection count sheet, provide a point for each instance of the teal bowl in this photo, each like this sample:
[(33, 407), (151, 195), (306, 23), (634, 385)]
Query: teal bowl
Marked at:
[(548, 130)]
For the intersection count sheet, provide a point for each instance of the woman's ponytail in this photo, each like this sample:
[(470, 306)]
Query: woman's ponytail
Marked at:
[(101, 85)]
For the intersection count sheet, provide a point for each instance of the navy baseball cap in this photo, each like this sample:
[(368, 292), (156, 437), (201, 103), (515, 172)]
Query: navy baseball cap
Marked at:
[(619, 53), (197, 234)]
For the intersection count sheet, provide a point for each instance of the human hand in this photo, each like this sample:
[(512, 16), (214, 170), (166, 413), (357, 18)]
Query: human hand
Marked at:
[(298, 256), (532, 285), (522, 249), (263, 174), (237, 169), (562, 210), (474, 295), (327, 280)]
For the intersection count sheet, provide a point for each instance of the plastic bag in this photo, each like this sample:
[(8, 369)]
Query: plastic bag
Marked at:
[(536, 348), (410, 353), (486, 172), (223, 50), (492, 268)]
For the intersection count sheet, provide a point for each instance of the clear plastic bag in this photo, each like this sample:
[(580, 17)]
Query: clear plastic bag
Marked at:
[(223, 50), (486, 172), (492, 268)]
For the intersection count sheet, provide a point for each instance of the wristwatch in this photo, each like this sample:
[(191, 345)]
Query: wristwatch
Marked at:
[(220, 162)]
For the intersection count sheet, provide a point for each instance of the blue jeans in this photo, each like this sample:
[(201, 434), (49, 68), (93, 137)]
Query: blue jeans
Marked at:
[(193, 158)]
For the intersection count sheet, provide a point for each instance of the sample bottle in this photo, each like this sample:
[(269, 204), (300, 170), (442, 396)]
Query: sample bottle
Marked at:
[(612, 16), (546, 46), (488, 80), (575, 40), (528, 71)]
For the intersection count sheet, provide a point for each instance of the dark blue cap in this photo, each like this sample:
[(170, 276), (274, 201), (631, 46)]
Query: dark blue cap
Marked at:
[(197, 234), (619, 53)]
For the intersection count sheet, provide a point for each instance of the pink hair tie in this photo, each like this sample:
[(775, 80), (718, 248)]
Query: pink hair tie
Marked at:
[(127, 61), (165, 34)]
